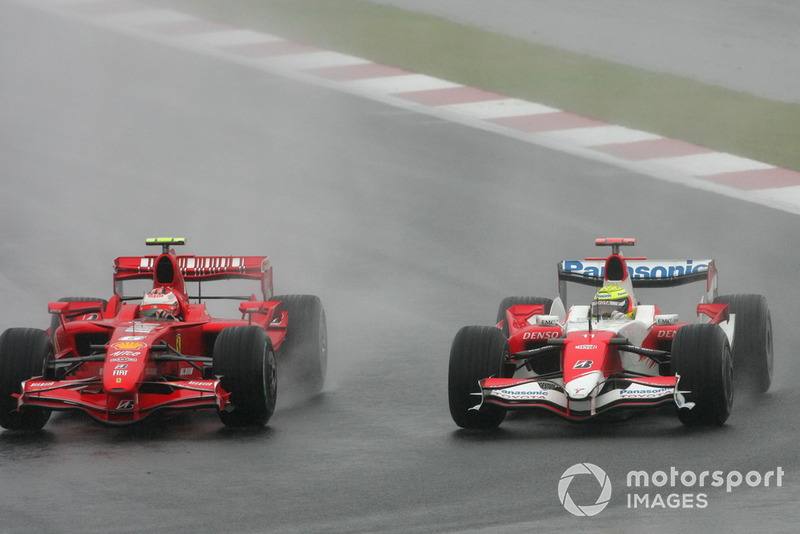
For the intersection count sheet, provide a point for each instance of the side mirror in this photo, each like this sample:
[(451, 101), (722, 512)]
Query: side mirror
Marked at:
[(662, 320), (547, 320), (57, 308)]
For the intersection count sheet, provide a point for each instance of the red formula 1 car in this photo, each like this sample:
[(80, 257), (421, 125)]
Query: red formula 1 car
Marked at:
[(126, 358), (614, 353)]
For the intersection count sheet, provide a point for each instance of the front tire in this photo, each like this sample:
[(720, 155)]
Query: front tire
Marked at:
[(23, 352), (701, 356), (752, 341), (477, 352), (244, 358)]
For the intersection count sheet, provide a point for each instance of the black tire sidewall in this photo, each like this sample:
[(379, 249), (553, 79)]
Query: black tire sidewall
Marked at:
[(752, 341), (701, 356), (244, 358), (477, 352), (304, 353), (23, 352)]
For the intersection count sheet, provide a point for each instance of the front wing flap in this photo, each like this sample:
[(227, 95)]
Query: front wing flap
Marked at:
[(515, 393), (88, 395)]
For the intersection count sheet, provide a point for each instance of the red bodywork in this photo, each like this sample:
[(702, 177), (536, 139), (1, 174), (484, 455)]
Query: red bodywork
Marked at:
[(120, 368)]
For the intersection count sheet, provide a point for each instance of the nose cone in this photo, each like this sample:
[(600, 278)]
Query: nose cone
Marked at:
[(583, 386), (124, 366)]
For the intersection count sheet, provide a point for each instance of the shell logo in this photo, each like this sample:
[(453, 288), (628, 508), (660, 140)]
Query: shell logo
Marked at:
[(129, 345)]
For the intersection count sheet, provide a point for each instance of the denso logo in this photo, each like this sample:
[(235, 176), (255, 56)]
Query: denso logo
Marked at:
[(540, 335), (640, 270)]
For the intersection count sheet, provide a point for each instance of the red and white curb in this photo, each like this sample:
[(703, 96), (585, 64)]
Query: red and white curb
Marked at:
[(643, 152)]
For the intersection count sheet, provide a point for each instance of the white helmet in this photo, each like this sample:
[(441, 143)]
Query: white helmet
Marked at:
[(160, 304)]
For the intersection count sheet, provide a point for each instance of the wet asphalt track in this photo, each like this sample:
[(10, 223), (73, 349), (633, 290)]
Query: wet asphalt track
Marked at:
[(408, 228)]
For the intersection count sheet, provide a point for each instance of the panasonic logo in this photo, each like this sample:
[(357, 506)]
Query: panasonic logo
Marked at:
[(639, 270)]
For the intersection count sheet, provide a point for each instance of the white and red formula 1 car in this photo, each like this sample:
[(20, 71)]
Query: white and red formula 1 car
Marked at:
[(580, 363)]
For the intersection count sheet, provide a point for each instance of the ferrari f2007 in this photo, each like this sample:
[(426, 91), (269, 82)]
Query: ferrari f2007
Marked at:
[(129, 357)]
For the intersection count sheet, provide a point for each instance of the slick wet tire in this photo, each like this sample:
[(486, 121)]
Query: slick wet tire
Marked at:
[(244, 359), (507, 302), (477, 352), (752, 341), (701, 356), (22, 355), (304, 353)]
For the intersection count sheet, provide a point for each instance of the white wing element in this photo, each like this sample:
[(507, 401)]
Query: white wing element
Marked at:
[(680, 400)]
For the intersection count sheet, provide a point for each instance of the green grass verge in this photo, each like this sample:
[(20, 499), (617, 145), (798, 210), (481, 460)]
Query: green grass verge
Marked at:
[(672, 106)]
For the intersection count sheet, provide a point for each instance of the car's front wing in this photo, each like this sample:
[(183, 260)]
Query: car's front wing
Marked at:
[(88, 395), (515, 393)]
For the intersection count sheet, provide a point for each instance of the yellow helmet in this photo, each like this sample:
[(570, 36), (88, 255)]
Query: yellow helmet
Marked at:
[(609, 299)]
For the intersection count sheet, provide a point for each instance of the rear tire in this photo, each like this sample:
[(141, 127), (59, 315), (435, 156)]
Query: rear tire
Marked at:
[(23, 352), (304, 353), (244, 358), (701, 356), (752, 341), (477, 352), (507, 302)]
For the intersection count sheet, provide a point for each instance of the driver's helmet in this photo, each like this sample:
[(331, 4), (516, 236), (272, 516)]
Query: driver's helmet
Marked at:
[(610, 299), (160, 304)]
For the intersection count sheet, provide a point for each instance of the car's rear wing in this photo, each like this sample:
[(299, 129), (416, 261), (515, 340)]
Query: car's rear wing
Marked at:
[(641, 272), (198, 269)]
